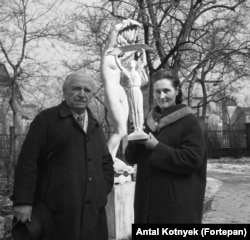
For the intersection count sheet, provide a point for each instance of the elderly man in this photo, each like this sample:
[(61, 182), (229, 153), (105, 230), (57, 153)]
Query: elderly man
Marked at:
[(65, 165)]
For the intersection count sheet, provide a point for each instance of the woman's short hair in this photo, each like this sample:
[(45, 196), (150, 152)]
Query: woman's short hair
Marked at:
[(170, 75)]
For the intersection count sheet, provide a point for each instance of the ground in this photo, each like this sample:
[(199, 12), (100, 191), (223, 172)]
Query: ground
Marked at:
[(227, 195), (226, 201)]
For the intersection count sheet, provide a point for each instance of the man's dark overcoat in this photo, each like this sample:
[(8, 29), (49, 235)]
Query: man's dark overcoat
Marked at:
[(69, 171), (171, 179)]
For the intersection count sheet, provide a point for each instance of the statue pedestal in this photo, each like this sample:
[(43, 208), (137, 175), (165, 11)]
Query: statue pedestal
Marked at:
[(120, 211), (138, 136)]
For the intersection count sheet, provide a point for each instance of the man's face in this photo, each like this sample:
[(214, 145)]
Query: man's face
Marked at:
[(78, 93)]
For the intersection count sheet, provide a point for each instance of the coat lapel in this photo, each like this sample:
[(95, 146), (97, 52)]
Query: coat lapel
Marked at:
[(92, 121), (64, 110)]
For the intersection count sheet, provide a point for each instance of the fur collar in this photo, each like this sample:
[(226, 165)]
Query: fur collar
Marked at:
[(156, 121)]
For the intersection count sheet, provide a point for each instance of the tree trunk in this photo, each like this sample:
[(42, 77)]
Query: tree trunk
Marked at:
[(204, 104), (190, 91), (11, 164), (12, 160), (151, 87)]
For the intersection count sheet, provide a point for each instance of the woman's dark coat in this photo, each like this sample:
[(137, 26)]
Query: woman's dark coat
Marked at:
[(171, 179), (69, 171)]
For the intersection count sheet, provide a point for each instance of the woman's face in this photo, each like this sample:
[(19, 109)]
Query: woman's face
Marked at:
[(164, 93)]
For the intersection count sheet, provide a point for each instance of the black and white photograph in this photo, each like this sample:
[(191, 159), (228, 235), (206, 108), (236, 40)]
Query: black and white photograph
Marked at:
[(124, 119)]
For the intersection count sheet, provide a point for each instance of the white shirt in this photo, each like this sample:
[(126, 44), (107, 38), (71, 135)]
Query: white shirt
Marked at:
[(84, 117)]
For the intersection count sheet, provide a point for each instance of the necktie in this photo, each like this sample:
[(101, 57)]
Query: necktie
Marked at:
[(80, 120)]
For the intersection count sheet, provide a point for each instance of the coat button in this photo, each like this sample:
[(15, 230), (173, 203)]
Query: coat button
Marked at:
[(90, 179), (89, 159), (88, 200), (87, 139)]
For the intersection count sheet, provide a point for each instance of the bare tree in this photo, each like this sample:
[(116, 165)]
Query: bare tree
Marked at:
[(195, 38), (23, 23), (201, 40)]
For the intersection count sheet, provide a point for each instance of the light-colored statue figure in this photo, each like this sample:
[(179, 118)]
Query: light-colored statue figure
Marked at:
[(121, 44), (135, 75), (115, 96)]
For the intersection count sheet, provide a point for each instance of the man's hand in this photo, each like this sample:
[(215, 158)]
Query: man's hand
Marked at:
[(23, 213), (151, 142)]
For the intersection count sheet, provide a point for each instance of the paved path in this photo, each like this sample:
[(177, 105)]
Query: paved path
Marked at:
[(231, 203)]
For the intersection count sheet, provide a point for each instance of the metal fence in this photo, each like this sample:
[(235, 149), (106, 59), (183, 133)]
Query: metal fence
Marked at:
[(227, 138), (227, 143), (216, 140)]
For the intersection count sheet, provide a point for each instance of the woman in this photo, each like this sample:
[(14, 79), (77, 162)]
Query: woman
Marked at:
[(134, 78), (171, 164)]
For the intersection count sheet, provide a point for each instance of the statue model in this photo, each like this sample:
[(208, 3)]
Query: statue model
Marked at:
[(121, 44), (135, 74)]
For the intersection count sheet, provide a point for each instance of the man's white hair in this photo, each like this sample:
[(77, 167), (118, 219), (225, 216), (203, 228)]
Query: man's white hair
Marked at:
[(82, 75)]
